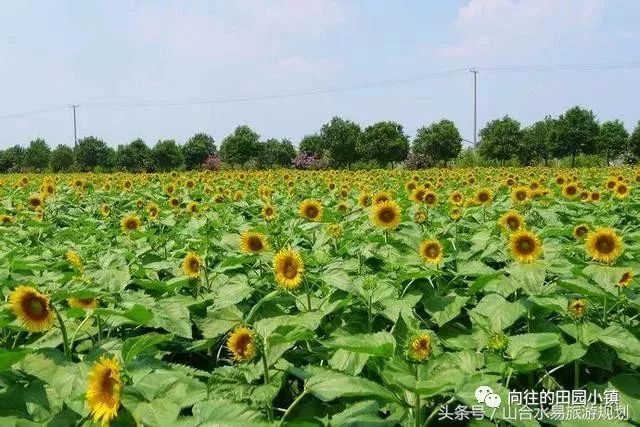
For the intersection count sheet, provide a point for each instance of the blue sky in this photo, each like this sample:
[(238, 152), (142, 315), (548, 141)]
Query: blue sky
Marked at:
[(106, 56)]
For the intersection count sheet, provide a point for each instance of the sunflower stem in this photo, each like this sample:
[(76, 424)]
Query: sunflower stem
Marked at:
[(417, 408), (265, 367), (369, 317), (75, 333), (293, 405), (63, 329)]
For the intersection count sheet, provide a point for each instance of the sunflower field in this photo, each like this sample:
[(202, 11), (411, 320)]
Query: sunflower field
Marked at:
[(314, 298)]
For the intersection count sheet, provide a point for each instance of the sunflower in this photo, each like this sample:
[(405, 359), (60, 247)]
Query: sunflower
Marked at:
[(152, 210), (420, 216), (622, 190), (35, 201), (419, 348), (594, 196), (105, 209), (191, 265), (311, 210), (268, 212), (611, 183), (525, 246), (520, 194), (604, 245), (74, 259), (334, 230), (5, 219), (484, 195), (252, 242), (430, 198), (417, 195), (580, 230), (577, 308), (139, 203), (103, 391), (364, 200), (381, 197), (86, 303), (174, 203), (32, 308), (242, 344), (192, 207), (130, 222), (456, 198), (455, 213), (431, 251), (343, 208), (570, 191), (386, 215), (288, 267), (511, 221), (626, 279)]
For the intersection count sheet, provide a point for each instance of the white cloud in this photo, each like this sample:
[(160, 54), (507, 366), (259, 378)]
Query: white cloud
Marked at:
[(495, 27)]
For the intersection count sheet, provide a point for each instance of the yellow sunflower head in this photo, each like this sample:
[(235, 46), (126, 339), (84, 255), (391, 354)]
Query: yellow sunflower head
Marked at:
[(386, 215), (626, 279), (594, 196), (288, 268), (417, 194), (105, 209), (525, 246), (130, 223), (32, 308), (604, 245), (419, 348), (484, 195), (577, 307), (430, 198), (381, 197), (311, 210), (103, 390), (622, 190), (5, 219), (431, 251), (511, 221), (364, 200), (35, 201), (420, 216), (520, 194), (580, 230), (268, 212), (334, 230), (192, 207), (191, 265), (85, 303), (456, 198), (252, 242), (152, 210), (74, 259), (455, 213), (570, 191), (242, 344)]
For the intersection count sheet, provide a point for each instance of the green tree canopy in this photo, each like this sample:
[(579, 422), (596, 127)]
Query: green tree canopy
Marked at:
[(61, 159), (37, 155), (575, 132), (535, 144), (500, 139), (197, 149), (312, 144), (240, 147), (167, 155), (12, 159), (634, 141), (274, 152), (91, 152), (340, 137), (134, 157), (440, 141), (613, 139), (383, 142)]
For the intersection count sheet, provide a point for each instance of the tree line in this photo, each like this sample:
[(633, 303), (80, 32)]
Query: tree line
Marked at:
[(343, 143)]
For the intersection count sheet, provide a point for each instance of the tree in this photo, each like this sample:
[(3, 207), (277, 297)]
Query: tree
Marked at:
[(197, 149), (575, 131), (441, 141), (273, 152), (535, 144), (500, 139), (91, 152), (239, 147), (634, 141), (340, 137), (37, 155), (166, 155), (134, 157), (12, 159), (613, 139), (383, 142), (312, 144), (61, 159)]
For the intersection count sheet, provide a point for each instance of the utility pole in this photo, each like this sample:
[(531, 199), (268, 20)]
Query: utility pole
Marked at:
[(475, 106), (75, 127)]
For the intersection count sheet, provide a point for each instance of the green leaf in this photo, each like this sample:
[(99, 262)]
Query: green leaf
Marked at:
[(226, 412), (9, 357), (536, 341), (498, 312), (331, 385), (218, 322), (380, 344), (136, 345), (444, 309), (623, 342)]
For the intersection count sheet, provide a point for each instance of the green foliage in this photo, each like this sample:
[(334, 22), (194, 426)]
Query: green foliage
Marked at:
[(575, 131), (276, 153), (500, 139), (197, 149), (239, 147), (613, 139), (91, 152), (37, 155), (312, 144), (62, 159), (340, 138), (535, 144), (634, 141), (440, 141), (134, 157), (383, 142), (167, 155), (12, 159)]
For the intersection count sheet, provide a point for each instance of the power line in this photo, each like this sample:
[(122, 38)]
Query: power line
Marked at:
[(32, 113)]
